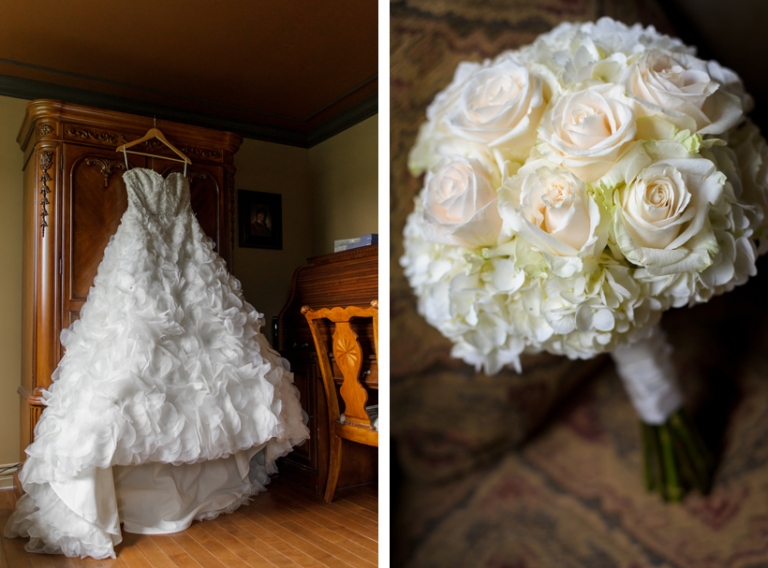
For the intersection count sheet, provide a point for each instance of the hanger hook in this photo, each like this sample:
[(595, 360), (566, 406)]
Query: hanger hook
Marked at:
[(154, 121)]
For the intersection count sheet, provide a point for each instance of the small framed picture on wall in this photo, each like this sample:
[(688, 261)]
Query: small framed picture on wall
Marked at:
[(260, 219)]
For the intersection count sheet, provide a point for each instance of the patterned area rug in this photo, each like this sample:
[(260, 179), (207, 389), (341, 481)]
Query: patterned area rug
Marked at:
[(572, 496)]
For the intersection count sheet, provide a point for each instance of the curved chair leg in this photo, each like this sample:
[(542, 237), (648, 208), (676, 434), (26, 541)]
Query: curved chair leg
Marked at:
[(334, 467)]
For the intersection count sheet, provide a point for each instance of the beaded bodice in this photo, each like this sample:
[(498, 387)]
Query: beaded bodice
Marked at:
[(161, 197)]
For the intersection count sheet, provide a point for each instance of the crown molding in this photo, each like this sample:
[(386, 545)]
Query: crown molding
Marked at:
[(30, 89)]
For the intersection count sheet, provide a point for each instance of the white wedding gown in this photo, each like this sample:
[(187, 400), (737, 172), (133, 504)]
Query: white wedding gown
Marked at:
[(169, 405)]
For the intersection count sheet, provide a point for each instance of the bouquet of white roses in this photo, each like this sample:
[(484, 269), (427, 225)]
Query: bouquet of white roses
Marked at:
[(575, 189)]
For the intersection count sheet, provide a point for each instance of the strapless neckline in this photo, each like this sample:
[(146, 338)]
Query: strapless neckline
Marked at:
[(159, 196)]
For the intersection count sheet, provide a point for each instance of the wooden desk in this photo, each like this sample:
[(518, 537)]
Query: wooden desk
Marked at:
[(339, 279)]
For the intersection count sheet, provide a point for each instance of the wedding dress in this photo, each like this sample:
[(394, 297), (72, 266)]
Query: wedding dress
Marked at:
[(169, 405)]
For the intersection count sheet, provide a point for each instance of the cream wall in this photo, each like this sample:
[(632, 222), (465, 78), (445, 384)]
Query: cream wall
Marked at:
[(266, 274), (11, 115), (329, 178), (344, 172), (328, 192)]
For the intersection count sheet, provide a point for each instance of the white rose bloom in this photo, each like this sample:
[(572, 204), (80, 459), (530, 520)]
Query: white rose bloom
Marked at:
[(448, 99), (435, 140), (731, 266), (680, 88), (550, 209), (661, 219), (587, 131), (460, 205), (499, 105)]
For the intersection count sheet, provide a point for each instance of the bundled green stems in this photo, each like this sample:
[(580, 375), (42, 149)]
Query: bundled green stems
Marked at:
[(675, 457)]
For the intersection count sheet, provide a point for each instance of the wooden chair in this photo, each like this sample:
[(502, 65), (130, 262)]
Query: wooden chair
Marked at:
[(355, 423)]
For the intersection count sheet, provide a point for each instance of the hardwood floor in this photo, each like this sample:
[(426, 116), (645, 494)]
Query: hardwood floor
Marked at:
[(285, 527)]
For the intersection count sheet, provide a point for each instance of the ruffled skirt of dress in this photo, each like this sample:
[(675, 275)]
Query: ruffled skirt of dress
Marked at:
[(168, 406)]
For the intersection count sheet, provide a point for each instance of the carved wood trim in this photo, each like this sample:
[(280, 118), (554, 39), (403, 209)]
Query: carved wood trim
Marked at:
[(101, 136), (151, 144), (34, 398), (107, 167), (111, 138), (200, 153), (119, 124), (199, 175), (35, 411), (46, 160)]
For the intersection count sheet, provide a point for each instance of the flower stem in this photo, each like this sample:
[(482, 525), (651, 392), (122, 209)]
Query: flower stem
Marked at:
[(675, 458), (673, 488)]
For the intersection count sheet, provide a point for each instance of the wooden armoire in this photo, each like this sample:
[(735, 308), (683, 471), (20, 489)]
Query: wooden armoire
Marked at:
[(74, 197)]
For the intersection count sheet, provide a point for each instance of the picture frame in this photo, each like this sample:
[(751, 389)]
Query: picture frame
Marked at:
[(260, 219)]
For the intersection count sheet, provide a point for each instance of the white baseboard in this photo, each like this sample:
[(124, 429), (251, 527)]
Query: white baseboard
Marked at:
[(6, 478)]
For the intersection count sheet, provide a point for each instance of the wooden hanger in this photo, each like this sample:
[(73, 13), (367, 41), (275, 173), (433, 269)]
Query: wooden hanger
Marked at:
[(154, 133)]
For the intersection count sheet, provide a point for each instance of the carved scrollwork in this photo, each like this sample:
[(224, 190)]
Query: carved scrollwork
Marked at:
[(199, 152), (45, 129), (194, 176), (46, 160), (101, 136), (151, 144), (107, 167)]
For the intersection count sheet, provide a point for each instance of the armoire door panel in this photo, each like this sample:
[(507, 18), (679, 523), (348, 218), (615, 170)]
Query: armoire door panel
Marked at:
[(92, 213), (73, 314), (204, 193)]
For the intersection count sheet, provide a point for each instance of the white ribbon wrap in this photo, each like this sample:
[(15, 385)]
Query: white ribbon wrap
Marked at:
[(646, 369)]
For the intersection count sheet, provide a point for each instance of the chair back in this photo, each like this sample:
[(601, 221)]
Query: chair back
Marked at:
[(348, 355)]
